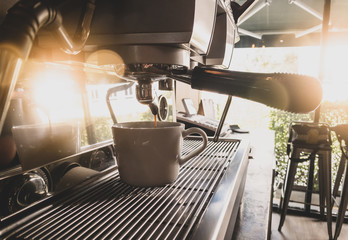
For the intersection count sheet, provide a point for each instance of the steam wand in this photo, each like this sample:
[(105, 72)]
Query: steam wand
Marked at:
[(142, 96), (222, 120), (109, 93)]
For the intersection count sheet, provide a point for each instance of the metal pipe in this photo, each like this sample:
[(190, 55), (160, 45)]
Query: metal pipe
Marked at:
[(76, 44), (222, 120), (251, 34), (239, 10), (111, 91), (308, 31), (324, 39), (307, 8), (253, 10)]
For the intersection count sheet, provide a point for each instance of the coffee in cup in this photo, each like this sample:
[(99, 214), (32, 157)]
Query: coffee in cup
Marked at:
[(150, 156)]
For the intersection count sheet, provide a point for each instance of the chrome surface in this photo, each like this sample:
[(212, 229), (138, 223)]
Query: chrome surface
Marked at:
[(106, 208), (76, 44), (154, 54), (10, 65), (204, 21), (219, 218), (144, 95), (231, 32), (221, 49), (17, 170)]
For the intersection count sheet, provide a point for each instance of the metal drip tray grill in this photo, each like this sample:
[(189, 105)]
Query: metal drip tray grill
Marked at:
[(109, 209)]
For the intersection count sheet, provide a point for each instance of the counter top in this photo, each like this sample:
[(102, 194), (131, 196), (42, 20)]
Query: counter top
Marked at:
[(254, 218)]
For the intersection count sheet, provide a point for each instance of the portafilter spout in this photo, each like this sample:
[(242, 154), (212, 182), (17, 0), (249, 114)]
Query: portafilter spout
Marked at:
[(144, 95), (290, 92)]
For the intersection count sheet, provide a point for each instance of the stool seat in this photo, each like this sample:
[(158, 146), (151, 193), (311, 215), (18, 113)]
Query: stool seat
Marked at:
[(305, 145), (306, 148)]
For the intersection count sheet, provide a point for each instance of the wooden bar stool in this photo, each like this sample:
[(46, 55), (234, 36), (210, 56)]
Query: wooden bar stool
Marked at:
[(342, 135), (306, 142)]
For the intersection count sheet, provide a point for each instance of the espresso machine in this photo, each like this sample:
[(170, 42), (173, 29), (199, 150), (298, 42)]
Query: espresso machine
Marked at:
[(117, 52)]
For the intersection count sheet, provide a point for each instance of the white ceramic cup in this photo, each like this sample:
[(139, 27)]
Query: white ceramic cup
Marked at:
[(150, 156), (40, 144)]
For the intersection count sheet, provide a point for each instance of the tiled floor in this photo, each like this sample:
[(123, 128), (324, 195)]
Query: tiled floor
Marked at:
[(303, 228)]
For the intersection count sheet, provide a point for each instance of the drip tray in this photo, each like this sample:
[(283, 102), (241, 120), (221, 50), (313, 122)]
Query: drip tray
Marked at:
[(107, 208)]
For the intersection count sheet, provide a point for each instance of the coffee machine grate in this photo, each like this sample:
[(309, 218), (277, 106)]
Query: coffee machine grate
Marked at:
[(107, 208)]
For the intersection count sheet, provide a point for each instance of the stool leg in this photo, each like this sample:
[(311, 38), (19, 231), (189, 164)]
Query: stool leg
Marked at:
[(330, 186), (321, 188), (285, 180), (325, 159), (308, 196), (280, 203), (339, 175), (343, 206), (288, 188)]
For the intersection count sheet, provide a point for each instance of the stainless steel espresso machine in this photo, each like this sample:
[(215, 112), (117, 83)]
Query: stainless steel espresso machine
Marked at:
[(71, 69)]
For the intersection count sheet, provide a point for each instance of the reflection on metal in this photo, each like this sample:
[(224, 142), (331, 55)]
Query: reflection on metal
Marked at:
[(75, 45), (204, 21)]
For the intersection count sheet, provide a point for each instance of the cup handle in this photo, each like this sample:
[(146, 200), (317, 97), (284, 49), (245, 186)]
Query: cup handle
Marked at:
[(195, 152)]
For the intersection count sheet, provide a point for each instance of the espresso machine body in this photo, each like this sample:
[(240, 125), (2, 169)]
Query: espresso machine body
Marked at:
[(71, 69), (120, 56)]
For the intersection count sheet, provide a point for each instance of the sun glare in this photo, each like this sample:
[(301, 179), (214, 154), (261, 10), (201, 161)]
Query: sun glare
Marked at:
[(335, 79), (54, 92)]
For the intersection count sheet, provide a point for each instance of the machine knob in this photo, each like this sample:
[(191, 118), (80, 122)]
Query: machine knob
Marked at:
[(28, 188)]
